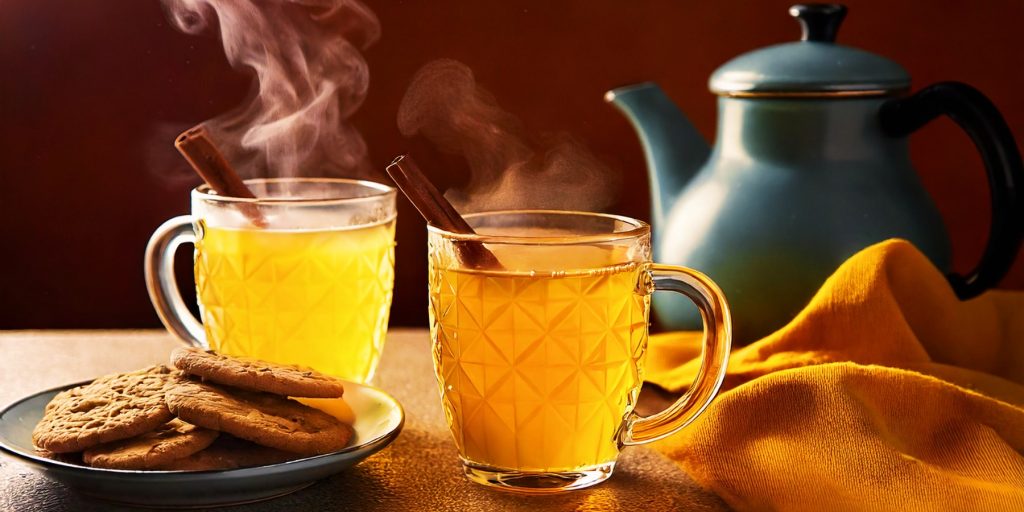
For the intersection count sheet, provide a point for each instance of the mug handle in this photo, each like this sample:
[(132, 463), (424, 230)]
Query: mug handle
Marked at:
[(977, 116), (162, 286), (714, 355)]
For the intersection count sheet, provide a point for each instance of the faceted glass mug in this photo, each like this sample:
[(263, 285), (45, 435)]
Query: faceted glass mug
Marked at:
[(540, 362), (310, 284)]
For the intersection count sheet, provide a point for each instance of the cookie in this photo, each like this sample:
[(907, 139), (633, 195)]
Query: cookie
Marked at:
[(229, 452), (108, 409), (263, 418), (172, 440), (255, 375), (67, 458)]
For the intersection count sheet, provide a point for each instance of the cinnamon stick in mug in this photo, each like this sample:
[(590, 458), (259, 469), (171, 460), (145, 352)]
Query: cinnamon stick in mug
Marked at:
[(439, 212), (202, 154)]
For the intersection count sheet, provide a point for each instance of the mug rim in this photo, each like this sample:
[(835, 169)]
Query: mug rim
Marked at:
[(639, 229), (205, 193)]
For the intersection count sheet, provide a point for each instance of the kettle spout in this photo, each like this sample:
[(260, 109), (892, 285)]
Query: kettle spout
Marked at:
[(673, 147)]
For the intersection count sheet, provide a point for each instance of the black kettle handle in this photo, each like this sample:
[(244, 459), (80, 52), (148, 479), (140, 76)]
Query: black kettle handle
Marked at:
[(977, 116)]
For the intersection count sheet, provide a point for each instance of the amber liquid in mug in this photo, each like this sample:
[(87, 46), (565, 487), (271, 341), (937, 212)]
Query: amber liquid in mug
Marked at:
[(538, 369), (317, 298)]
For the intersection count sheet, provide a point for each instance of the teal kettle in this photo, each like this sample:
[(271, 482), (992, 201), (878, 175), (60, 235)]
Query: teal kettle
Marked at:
[(810, 164)]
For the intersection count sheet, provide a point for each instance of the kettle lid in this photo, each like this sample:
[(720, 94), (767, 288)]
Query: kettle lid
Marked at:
[(814, 66)]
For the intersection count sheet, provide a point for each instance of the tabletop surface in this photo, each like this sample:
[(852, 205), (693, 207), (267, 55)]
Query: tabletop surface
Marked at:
[(419, 471)]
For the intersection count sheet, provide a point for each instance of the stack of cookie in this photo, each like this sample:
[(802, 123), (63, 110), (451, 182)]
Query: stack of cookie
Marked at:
[(208, 412)]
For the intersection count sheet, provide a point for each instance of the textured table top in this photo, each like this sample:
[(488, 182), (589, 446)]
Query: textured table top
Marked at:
[(419, 471)]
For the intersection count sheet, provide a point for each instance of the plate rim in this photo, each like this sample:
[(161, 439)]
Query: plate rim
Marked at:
[(375, 444)]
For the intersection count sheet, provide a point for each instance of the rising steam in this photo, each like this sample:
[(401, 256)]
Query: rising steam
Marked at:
[(509, 168), (310, 78)]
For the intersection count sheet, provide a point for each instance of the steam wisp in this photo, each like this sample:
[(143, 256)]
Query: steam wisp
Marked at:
[(509, 169), (310, 77)]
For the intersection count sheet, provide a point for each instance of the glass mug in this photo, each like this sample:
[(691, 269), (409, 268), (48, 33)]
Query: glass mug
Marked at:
[(313, 287), (540, 363)]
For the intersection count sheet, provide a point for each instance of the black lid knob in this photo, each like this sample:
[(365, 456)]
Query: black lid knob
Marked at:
[(820, 22)]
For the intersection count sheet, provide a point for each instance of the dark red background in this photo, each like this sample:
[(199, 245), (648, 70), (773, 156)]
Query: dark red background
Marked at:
[(92, 92)]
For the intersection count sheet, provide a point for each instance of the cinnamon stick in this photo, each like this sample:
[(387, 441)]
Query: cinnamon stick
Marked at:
[(202, 154), (439, 212)]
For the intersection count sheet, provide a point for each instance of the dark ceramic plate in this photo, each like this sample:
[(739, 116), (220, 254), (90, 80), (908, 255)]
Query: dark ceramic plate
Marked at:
[(378, 419)]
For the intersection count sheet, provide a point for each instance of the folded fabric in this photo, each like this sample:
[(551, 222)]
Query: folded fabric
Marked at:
[(885, 393)]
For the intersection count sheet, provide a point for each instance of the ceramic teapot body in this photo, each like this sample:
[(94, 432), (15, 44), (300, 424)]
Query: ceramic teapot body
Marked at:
[(800, 180)]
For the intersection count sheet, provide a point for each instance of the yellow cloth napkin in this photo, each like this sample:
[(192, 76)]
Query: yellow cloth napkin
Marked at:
[(884, 393)]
